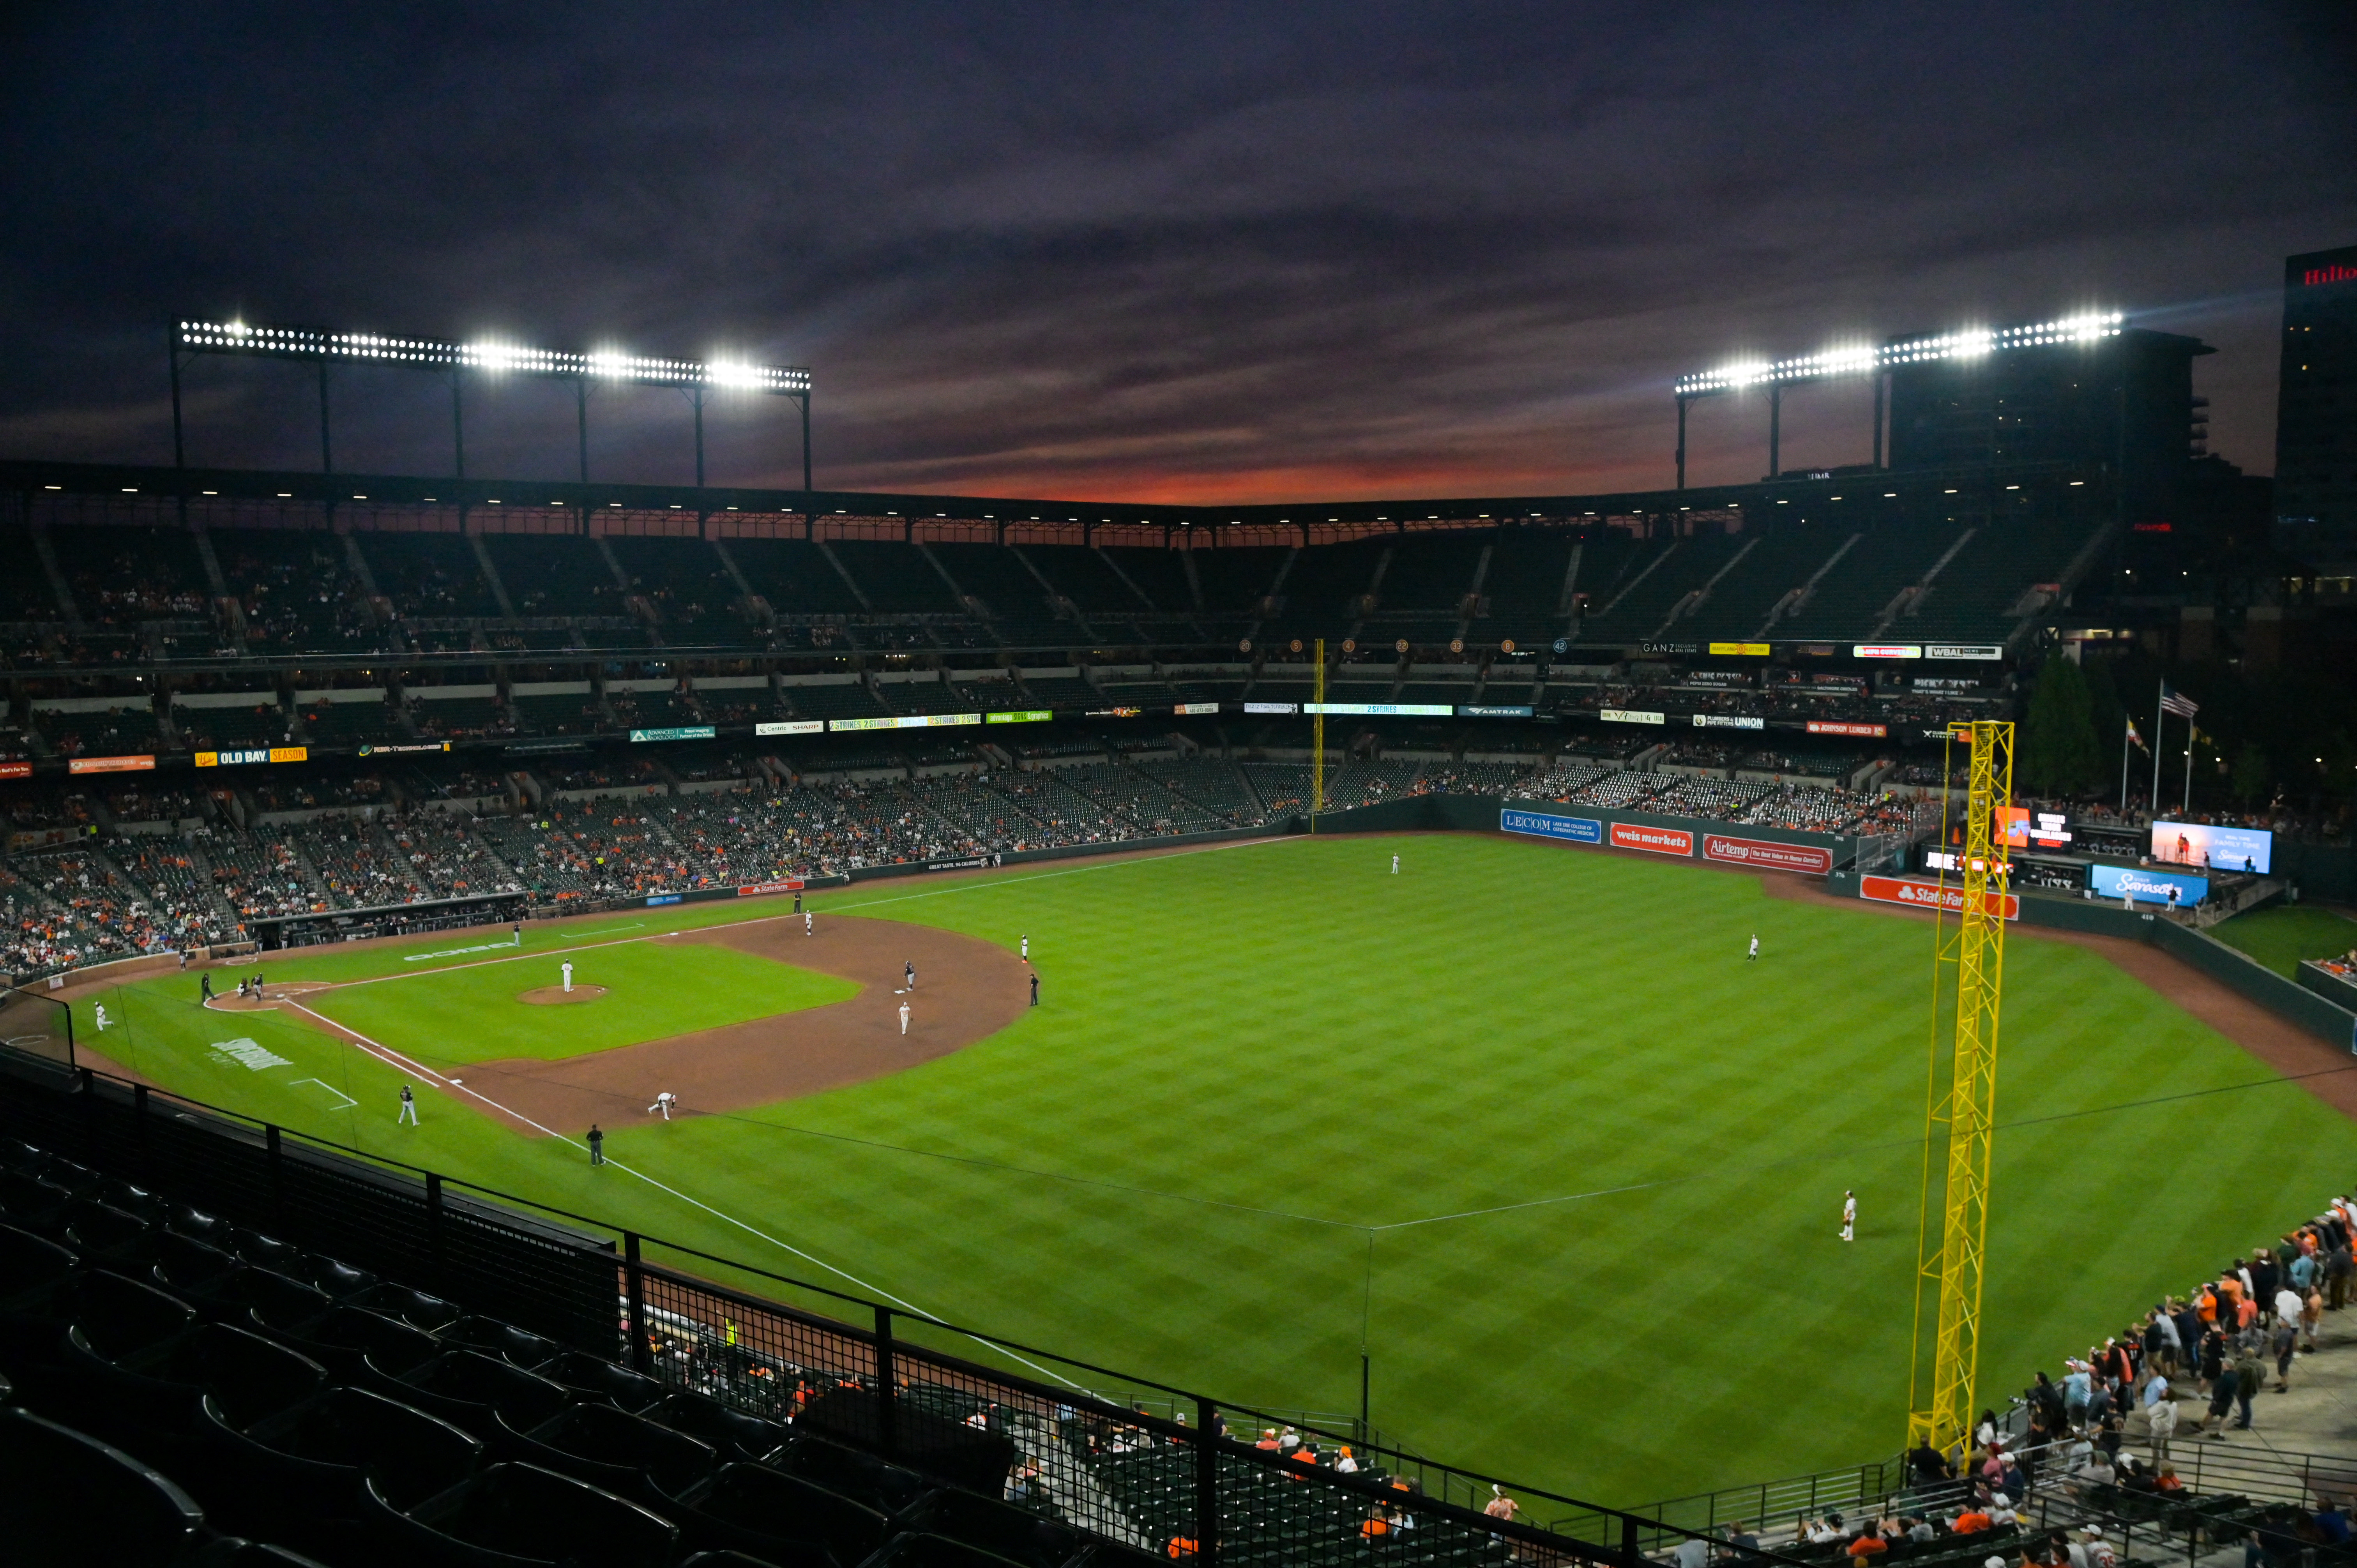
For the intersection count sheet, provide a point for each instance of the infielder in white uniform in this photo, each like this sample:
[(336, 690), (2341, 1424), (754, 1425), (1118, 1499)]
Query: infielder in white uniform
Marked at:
[(904, 1017), (1849, 1216), (664, 1104), (806, 922), (1027, 949)]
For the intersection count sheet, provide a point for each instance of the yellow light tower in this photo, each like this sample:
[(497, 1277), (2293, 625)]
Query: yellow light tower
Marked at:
[(1960, 1107), (1318, 740)]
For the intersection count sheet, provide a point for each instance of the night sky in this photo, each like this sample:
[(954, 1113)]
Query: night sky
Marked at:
[(1183, 252)]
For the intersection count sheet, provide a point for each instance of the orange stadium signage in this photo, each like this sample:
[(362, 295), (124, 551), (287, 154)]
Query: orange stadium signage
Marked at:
[(1933, 895), (1660, 841), (112, 765)]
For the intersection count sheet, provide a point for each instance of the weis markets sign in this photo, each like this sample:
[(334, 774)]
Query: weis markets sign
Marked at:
[(1659, 840), (1813, 860), (1932, 896), (1547, 825)]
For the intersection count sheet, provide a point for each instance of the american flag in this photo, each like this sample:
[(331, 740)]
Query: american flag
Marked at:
[(2178, 702)]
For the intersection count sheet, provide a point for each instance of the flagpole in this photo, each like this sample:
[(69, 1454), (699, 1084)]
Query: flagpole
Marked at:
[(2159, 737), (2191, 734), (2128, 729)]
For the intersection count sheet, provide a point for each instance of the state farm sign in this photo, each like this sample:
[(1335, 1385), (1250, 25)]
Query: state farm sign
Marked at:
[(1932, 896), (1660, 840), (1811, 859)]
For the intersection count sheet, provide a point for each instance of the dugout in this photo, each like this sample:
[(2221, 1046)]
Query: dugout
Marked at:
[(317, 927)]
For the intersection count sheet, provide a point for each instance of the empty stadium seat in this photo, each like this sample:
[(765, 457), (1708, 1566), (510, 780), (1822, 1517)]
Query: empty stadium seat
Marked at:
[(596, 1378), (769, 1514), (161, 1386), (732, 1433), (504, 1340), (305, 1464), (413, 1307), (936, 1552), (517, 1514), (32, 1271), (469, 1388), (355, 1344), (627, 1454), (69, 1497)]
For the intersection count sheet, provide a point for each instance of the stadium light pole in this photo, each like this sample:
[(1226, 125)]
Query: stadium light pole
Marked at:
[(1684, 402)]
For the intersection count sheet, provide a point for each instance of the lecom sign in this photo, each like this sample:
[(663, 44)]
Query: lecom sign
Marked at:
[(1660, 840), (1932, 896), (1812, 859)]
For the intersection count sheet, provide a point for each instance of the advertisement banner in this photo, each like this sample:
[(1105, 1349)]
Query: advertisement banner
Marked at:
[(792, 726), (1547, 825), (1745, 650), (1932, 896), (1023, 716), (1727, 721), (679, 732), (111, 765), (1651, 646), (1630, 716), (791, 884), (1886, 650), (1115, 713), (906, 721), (406, 747), (657, 899), (1185, 708), (2147, 886), (1810, 859), (1494, 711), (965, 862), (2213, 848), (16, 771), (1384, 710), (1983, 651), (1272, 707), (1845, 726), (1644, 836)]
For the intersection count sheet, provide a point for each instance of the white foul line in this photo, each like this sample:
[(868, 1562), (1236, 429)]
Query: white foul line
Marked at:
[(392, 1057)]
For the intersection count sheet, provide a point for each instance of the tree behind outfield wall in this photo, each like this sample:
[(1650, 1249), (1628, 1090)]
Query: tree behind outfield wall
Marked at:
[(2059, 752)]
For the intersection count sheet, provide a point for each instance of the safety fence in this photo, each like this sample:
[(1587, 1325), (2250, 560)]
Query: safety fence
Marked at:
[(1131, 1460)]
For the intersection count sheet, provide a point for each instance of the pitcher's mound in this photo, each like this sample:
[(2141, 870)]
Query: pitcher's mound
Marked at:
[(552, 995)]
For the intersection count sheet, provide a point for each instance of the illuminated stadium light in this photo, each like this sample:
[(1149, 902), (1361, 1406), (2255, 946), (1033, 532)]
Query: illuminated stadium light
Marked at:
[(489, 356), (1971, 342)]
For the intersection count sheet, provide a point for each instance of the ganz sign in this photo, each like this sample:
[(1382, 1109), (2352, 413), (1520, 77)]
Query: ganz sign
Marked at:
[(1932, 896)]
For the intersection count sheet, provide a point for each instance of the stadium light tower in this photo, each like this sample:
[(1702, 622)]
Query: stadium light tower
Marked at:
[(1878, 361), (695, 378)]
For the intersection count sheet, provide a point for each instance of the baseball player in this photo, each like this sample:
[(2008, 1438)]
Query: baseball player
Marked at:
[(807, 916), (101, 1011), (1395, 866), (663, 1103), (408, 1107), (569, 977), (1849, 1216), (910, 970), (1753, 956), (1027, 949), (904, 1017)]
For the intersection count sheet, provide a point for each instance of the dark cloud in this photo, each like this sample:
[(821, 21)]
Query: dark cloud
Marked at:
[(1154, 251)]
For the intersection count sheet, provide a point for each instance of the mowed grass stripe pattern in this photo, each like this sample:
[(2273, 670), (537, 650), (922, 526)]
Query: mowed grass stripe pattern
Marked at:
[(1244, 1060)]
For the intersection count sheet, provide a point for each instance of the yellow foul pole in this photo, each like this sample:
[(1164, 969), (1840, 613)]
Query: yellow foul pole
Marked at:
[(1318, 740), (1941, 1387)]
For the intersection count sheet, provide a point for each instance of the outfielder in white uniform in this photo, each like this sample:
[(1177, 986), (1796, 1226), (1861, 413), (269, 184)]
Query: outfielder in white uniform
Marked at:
[(101, 1010), (1753, 955), (1395, 866), (1849, 1216), (1027, 949)]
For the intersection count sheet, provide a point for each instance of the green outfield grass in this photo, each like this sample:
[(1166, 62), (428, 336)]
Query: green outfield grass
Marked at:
[(2282, 935), (1520, 1121)]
